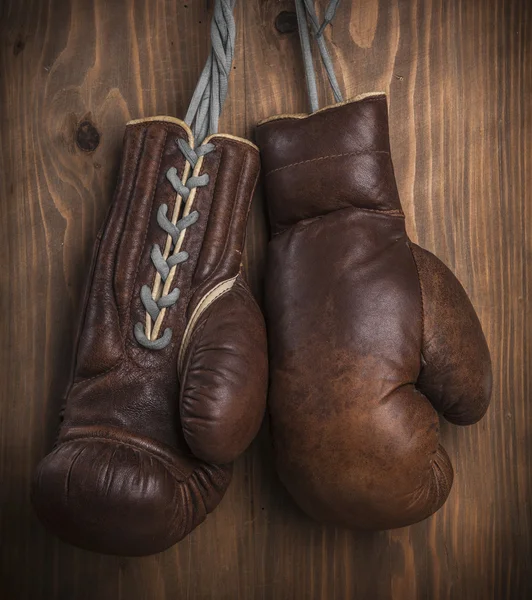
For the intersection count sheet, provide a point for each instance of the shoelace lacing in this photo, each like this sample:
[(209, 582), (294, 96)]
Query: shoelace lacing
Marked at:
[(202, 116), (164, 266)]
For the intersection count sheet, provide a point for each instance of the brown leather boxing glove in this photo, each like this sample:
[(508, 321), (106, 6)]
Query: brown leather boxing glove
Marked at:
[(370, 335), (170, 375)]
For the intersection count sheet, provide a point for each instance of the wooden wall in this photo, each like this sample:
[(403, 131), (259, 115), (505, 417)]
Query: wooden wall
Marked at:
[(459, 78)]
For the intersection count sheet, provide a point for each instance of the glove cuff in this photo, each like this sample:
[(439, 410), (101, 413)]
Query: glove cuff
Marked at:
[(332, 159)]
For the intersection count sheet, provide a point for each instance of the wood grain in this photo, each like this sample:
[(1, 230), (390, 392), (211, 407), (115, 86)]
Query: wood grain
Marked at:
[(459, 79)]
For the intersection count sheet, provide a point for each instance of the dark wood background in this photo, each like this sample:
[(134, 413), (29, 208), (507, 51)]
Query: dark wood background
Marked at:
[(459, 78)]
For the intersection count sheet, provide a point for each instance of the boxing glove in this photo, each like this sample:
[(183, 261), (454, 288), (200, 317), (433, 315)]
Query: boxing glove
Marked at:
[(170, 376), (370, 336)]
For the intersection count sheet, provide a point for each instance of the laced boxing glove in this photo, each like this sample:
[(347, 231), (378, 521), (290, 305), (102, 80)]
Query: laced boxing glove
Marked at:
[(370, 336), (171, 370)]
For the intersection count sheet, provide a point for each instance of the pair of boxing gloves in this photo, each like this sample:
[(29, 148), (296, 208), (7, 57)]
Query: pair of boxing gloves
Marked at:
[(369, 338)]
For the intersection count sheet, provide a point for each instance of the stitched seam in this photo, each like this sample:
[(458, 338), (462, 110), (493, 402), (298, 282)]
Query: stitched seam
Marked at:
[(192, 341), (146, 231), (165, 461), (124, 224), (220, 293), (391, 212), (100, 237), (83, 320), (231, 142), (115, 366), (193, 338), (421, 297), (329, 156), (332, 107), (215, 181), (213, 274), (239, 274), (248, 295), (191, 348)]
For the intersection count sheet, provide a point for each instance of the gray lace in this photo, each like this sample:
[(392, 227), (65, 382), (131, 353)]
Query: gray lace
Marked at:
[(202, 116), (306, 13), (210, 93)]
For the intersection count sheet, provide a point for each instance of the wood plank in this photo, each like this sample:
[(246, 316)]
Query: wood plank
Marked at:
[(459, 79)]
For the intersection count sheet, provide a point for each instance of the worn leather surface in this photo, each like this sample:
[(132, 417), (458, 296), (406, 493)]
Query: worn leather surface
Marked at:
[(145, 451), (370, 336)]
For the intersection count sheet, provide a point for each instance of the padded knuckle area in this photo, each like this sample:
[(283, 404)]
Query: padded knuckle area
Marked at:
[(223, 394), (377, 469), (389, 499), (115, 498)]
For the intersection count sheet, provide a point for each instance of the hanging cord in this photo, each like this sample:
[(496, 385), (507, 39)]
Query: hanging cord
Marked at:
[(211, 91), (202, 116), (306, 13)]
